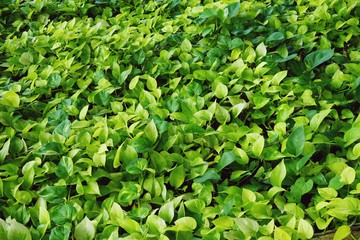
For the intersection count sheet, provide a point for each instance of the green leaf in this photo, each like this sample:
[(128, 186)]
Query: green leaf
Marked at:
[(60, 232), (177, 176), (210, 174), (156, 224), (142, 145), (278, 77), (318, 118), (54, 80), (226, 159), (281, 234), (318, 57), (63, 128), (248, 227), (137, 166), (351, 135), (275, 37), (85, 230), (26, 58), (4, 150), (296, 140), (221, 90), (233, 9), (342, 232), (17, 230), (261, 50), (62, 214), (51, 148), (204, 75), (151, 83), (185, 224), (115, 70), (301, 163), (222, 115), (195, 205), (305, 229), (129, 225), (10, 99), (342, 208), (258, 146), (186, 45), (348, 175), (278, 174), (151, 132), (65, 167), (167, 211), (327, 193), (123, 75), (54, 194)]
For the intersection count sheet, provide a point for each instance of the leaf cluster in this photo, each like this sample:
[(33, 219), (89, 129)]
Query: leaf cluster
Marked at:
[(179, 119)]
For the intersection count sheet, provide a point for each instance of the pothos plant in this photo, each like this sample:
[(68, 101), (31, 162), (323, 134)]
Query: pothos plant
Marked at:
[(179, 119)]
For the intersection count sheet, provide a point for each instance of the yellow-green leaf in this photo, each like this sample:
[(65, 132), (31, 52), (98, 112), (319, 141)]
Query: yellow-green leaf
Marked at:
[(10, 99)]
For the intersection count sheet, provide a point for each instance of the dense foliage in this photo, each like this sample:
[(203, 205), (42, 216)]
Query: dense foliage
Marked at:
[(179, 119)]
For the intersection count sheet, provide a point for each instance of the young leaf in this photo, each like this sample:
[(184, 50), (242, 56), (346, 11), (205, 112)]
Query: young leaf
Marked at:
[(261, 50), (17, 230), (150, 131), (351, 135), (318, 118), (186, 45), (195, 205), (85, 230), (278, 174), (185, 224), (156, 224), (167, 211), (280, 234), (248, 226), (26, 58), (129, 225), (258, 146), (123, 76), (348, 175), (342, 232), (10, 99), (305, 229), (221, 90), (177, 176)]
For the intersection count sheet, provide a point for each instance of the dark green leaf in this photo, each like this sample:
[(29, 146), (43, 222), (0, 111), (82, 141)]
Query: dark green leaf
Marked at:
[(226, 159), (51, 148), (296, 140), (60, 232), (318, 57), (63, 128), (233, 9), (210, 174), (54, 194), (54, 80), (64, 168), (275, 37), (142, 145), (62, 214)]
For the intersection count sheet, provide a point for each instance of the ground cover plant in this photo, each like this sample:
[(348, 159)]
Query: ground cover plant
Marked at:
[(179, 119)]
